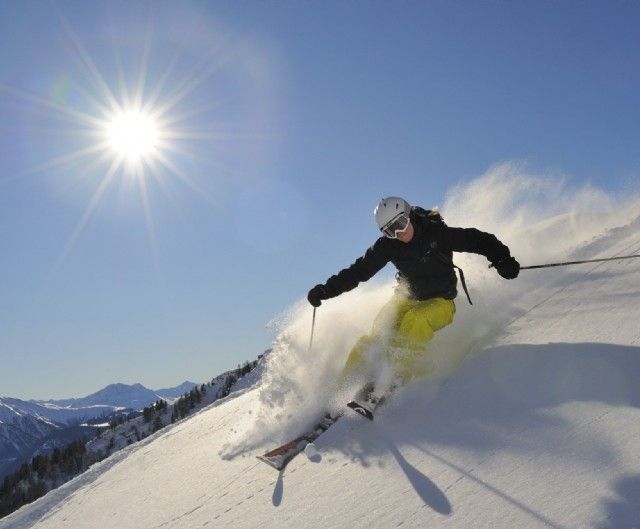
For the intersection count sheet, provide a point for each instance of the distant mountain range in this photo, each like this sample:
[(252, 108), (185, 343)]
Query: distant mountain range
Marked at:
[(134, 396), (28, 427)]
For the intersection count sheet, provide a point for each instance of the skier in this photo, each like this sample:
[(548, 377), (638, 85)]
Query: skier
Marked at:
[(421, 246)]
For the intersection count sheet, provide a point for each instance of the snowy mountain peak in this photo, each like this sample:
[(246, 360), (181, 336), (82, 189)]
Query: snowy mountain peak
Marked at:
[(134, 396), (177, 391)]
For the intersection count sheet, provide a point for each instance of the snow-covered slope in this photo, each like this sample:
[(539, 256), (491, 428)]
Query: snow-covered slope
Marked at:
[(27, 427), (538, 427), (19, 437)]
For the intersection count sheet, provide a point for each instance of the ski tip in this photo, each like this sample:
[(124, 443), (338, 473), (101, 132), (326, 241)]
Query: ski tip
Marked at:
[(277, 464)]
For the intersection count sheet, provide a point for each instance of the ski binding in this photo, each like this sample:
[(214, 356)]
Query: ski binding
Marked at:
[(361, 409)]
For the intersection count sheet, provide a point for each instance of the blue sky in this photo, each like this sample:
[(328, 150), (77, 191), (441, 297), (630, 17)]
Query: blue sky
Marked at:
[(289, 120)]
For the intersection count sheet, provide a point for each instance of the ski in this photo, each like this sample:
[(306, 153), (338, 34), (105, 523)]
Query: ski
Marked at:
[(280, 457)]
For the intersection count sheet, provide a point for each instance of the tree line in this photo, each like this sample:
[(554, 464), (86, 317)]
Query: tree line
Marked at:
[(45, 472)]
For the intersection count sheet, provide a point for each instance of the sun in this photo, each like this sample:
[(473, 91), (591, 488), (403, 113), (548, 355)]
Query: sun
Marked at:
[(133, 135), (138, 136)]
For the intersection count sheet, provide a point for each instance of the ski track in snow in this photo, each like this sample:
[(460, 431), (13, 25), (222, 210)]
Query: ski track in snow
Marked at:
[(539, 427)]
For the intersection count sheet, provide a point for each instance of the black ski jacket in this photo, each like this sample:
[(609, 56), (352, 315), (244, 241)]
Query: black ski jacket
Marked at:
[(425, 265)]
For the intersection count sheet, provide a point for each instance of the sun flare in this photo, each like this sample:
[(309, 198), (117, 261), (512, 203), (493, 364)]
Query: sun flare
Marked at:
[(150, 127), (133, 135)]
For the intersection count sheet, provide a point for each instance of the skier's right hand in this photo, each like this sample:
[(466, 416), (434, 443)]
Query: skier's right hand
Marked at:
[(508, 268), (316, 295)]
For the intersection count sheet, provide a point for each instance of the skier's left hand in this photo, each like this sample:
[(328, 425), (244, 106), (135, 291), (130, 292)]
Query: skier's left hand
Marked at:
[(508, 268)]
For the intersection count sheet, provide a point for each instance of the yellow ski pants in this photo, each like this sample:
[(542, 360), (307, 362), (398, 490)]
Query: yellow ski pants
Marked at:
[(403, 327)]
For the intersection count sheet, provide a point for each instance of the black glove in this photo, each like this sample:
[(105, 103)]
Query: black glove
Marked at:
[(316, 295), (508, 268)]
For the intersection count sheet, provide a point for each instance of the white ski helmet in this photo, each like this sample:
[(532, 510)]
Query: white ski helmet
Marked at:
[(389, 209)]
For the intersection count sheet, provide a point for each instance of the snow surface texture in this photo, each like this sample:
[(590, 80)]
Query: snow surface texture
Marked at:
[(531, 419)]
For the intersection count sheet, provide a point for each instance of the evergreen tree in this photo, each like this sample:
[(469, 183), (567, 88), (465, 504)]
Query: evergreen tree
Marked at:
[(148, 413), (157, 423)]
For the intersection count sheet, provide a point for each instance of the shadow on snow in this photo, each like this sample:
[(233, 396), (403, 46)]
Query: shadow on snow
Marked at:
[(490, 401)]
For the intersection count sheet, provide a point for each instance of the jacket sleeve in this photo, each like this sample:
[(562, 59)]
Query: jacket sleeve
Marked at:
[(365, 267), (474, 241)]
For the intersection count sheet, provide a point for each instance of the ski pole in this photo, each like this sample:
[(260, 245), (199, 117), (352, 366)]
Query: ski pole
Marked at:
[(313, 325), (566, 263)]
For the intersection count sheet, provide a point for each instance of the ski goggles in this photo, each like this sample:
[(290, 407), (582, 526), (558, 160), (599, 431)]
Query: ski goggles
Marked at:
[(397, 225)]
